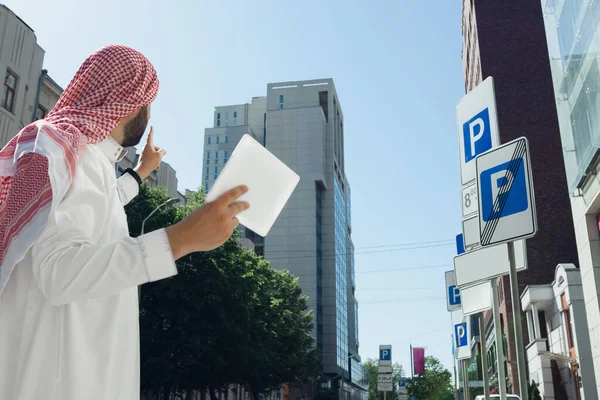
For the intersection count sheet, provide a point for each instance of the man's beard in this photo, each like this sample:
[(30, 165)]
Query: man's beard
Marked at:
[(134, 130)]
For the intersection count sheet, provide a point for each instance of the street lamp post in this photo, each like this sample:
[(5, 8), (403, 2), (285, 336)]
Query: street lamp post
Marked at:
[(169, 202)]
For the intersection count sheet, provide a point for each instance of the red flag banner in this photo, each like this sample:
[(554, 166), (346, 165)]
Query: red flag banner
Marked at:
[(419, 360)]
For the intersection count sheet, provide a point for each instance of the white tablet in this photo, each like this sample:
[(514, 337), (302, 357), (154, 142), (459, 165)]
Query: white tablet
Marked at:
[(270, 184)]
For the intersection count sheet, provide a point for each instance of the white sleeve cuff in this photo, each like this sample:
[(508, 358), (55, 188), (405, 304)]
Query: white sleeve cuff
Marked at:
[(128, 188), (158, 256)]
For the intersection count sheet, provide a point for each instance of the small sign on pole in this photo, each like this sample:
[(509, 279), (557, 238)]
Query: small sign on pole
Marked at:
[(461, 329), (452, 292)]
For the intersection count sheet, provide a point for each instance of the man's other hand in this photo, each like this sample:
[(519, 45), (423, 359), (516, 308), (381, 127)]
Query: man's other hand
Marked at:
[(209, 226)]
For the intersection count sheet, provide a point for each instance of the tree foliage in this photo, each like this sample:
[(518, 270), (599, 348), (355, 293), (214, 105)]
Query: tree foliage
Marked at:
[(227, 317), (435, 384)]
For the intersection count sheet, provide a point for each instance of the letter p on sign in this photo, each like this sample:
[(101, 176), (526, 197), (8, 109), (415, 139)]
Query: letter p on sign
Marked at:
[(477, 135)]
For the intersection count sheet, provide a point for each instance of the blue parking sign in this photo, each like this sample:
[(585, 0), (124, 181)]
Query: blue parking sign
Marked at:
[(460, 333), (497, 200)]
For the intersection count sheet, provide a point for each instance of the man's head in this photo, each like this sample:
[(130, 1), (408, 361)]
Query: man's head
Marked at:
[(109, 95)]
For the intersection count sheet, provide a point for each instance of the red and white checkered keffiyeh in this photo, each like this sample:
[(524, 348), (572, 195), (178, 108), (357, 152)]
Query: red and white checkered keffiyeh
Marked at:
[(38, 165)]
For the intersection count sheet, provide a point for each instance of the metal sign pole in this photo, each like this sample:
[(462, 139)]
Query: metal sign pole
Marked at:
[(482, 347), (516, 306), (465, 380), (499, 341)]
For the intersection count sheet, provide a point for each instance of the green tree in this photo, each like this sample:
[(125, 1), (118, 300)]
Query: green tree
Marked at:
[(227, 317), (371, 372), (435, 384), (534, 391)]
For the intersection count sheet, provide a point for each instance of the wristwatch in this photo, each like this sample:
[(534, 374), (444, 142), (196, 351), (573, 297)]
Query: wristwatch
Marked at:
[(135, 175)]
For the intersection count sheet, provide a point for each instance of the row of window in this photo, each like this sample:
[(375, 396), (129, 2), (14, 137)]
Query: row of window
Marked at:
[(10, 93), (207, 173), (217, 139), (225, 156), (227, 118)]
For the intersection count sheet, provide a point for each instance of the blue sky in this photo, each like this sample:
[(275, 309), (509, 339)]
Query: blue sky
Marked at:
[(398, 72)]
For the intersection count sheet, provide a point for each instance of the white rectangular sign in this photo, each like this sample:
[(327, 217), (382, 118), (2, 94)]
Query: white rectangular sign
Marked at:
[(487, 263), (470, 205), (385, 378), (452, 292), (505, 194), (385, 387), (476, 298), (461, 332), (477, 124), (402, 396), (471, 236), (384, 369)]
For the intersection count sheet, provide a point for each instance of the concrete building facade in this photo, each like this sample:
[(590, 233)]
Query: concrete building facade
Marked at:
[(302, 124), (558, 337), (506, 40), (27, 93), (573, 35)]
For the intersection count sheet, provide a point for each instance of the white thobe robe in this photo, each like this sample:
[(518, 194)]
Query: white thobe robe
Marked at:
[(69, 326)]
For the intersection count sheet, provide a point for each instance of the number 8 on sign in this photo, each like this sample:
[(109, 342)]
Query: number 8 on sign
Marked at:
[(470, 203)]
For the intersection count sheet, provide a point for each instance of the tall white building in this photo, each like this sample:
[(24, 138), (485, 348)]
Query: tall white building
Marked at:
[(28, 93), (303, 125)]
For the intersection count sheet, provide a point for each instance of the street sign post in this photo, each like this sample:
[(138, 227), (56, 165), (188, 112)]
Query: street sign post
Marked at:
[(477, 124), (461, 330), (507, 213), (505, 194), (385, 378)]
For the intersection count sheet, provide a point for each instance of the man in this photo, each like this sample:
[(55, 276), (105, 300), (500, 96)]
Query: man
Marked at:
[(68, 269)]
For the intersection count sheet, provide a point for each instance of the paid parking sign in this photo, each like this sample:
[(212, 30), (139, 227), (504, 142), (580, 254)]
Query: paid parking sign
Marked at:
[(505, 193), (477, 121), (461, 332), (452, 292)]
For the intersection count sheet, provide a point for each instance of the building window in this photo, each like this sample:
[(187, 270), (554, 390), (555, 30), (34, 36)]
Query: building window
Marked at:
[(208, 157), (206, 187), (41, 113), (226, 139), (280, 101), (216, 157), (10, 88), (208, 140), (225, 156), (207, 172), (218, 119), (218, 137), (227, 118), (216, 171), (235, 118)]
